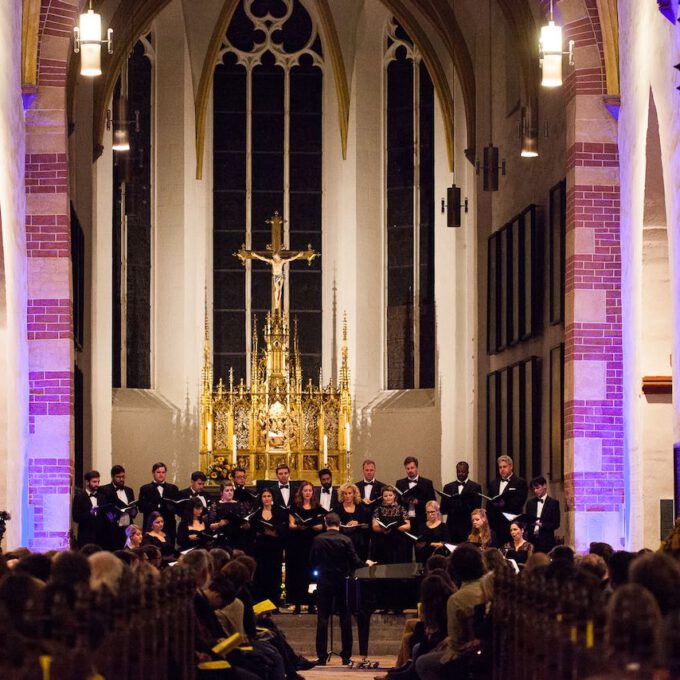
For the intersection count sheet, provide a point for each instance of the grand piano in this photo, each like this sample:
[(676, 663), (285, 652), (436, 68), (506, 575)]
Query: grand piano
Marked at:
[(384, 586)]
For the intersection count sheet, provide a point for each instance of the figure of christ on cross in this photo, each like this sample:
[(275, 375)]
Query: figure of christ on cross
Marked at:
[(276, 256)]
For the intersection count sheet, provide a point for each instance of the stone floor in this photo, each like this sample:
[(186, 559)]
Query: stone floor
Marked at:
[(336, 671)]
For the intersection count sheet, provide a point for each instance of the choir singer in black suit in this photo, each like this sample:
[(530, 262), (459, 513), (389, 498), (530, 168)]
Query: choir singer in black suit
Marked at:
[(159, 496), (416, 491), (369, 487), (285, 489), (85, 511), (543, 515), (194, 490), (370, 493), (327, 495), (507, 494), (113, 498), (463, 497), (334, 558)]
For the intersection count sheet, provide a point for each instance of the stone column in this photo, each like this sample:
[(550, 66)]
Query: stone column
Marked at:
[(594, 446), (50, 328), (12, 211)]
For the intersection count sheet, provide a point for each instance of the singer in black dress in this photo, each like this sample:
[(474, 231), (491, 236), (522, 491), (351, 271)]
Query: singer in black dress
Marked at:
[(354, 518), (270, 525), (389, 545), (304, 523), (192, 531), (224, 519), (156, 536), (434, 534)]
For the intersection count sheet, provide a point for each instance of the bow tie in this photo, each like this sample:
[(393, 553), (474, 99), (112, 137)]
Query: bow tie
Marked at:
[(325, 490), (540, 500), (159, 484), (195, 493), (92, 495), (368, 483), (283, 486)]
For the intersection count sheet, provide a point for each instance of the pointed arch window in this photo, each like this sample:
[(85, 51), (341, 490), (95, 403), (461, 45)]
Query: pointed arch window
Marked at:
[(267, 154), (132, 225), (409, 154)]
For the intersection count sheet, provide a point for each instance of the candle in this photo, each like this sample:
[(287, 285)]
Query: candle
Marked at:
[(209, 436), (346, 436), (325, 450), (234, 455)]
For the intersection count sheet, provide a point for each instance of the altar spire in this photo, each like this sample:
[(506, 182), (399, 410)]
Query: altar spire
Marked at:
[(276, 418)]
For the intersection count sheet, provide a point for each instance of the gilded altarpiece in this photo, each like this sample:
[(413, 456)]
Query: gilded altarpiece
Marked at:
[(277, 418)]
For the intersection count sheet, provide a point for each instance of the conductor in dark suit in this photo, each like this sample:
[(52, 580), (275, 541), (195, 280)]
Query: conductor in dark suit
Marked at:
[(151, 497), (85, 511), (416, 492), (543, 517), (512, 494), (464, 498), (112, 499), (334, 558)]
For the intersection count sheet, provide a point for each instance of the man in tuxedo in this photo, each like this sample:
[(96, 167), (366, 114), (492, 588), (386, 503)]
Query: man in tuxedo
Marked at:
[(543, 513), (327, 495), (284, 489), (369, 487), (111, 499), (85, 511), (463, 497), (194, 490), (416, 491), (152, 497), (241, 492), (508, 493)]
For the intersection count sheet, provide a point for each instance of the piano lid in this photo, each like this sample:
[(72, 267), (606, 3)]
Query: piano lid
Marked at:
[(405, 570)]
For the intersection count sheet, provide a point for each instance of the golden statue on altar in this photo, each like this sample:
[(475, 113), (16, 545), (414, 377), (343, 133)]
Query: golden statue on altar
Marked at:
[(276, 418)]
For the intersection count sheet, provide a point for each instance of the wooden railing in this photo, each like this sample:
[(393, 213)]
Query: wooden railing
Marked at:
[(146, 631), (546, 630)]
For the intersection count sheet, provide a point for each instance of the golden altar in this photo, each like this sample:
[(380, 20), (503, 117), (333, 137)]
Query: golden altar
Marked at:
[(277, 417)]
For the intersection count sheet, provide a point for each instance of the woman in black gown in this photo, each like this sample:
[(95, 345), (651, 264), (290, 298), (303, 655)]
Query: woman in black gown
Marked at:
[(270, 525), (434, 534), (225, 519), (354, 518), (389, 523), (192, 531), (305, 522), (156, 536)]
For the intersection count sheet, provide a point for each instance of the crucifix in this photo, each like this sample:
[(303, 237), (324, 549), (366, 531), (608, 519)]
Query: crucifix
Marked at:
[(276, 256)]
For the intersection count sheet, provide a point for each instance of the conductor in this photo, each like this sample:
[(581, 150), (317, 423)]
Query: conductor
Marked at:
[(334, 557)]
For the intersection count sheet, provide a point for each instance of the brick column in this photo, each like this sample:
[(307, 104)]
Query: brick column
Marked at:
[(594, 452), (50, 335)]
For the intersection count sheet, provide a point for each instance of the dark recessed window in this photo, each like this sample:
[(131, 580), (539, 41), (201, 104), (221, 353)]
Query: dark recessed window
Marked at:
[(410, 216)]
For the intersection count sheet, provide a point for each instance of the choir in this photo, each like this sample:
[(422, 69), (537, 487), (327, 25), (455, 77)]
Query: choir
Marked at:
[(386, 523)]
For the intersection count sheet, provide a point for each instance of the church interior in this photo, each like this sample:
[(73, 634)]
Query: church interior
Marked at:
[(486, 262)]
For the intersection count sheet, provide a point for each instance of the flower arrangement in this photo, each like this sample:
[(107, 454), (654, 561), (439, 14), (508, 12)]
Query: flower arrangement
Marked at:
[(219, 469)]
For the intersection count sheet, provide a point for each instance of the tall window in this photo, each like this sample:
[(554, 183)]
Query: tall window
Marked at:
[(410, 215), (132, 233), (267, 96)]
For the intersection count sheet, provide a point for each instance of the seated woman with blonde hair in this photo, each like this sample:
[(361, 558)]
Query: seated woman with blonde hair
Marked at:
[(433, 535), (481, 534), (106, 571)]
